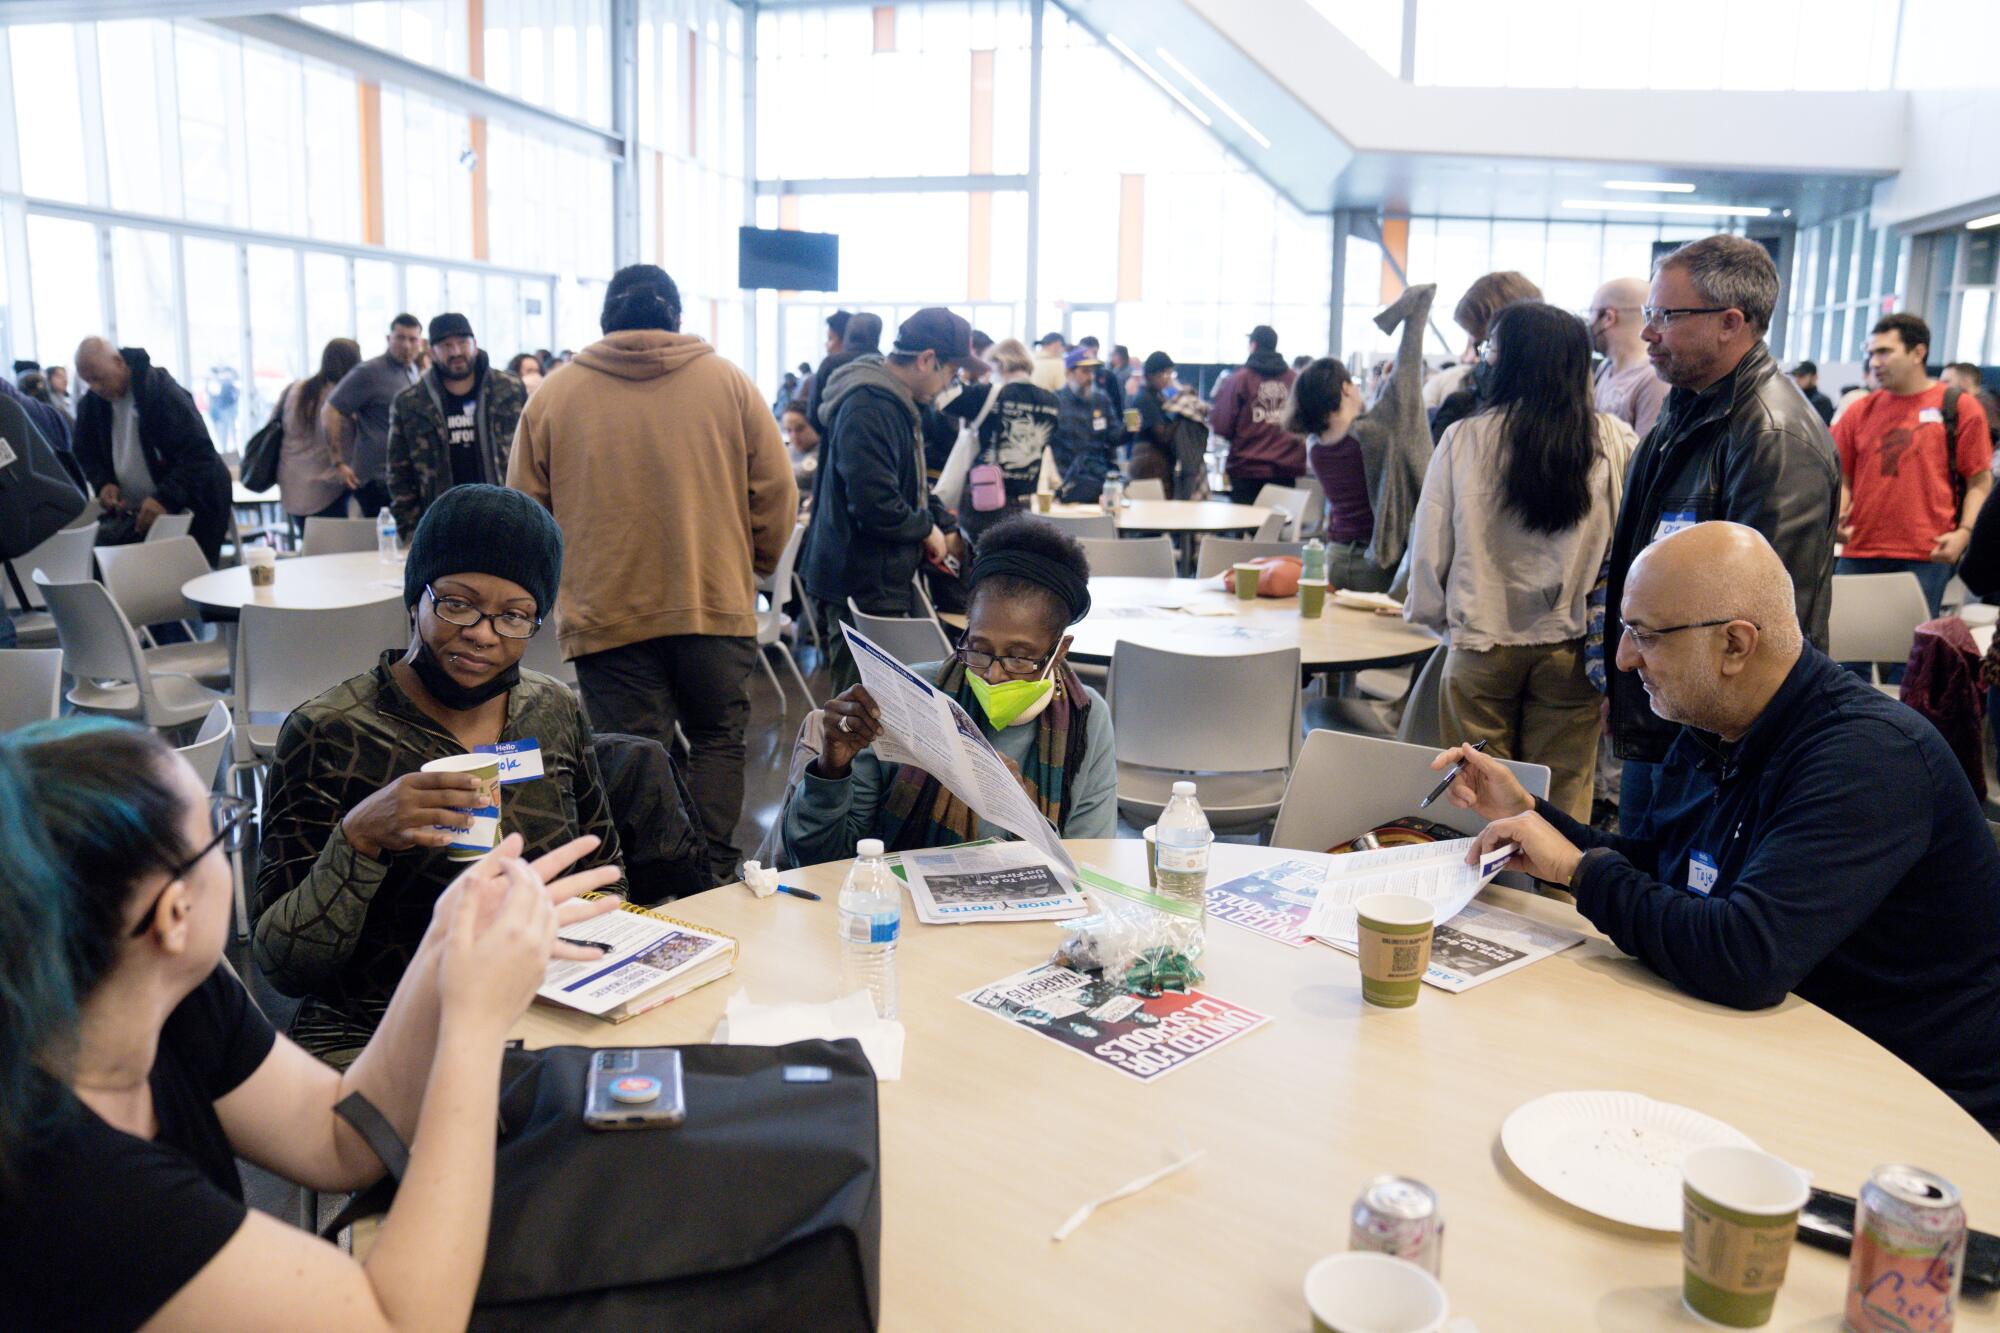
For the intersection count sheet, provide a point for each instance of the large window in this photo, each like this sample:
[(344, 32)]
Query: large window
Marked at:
[(1844, 275)]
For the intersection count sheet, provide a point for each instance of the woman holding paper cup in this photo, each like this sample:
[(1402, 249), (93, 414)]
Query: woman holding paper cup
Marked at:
[(385, 784), (1030, 582)]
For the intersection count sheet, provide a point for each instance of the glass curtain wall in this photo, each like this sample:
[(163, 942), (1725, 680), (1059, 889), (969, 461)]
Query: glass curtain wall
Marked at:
[(1845, 275)]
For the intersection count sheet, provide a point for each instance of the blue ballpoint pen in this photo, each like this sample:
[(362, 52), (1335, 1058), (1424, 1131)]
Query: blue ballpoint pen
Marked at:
[(798, 893)]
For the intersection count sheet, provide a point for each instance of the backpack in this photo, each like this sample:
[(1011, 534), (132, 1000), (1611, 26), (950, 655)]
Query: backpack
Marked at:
[(1951, 397)]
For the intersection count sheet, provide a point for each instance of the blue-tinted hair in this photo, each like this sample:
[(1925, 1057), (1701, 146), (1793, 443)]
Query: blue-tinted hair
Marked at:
[(87, 810)]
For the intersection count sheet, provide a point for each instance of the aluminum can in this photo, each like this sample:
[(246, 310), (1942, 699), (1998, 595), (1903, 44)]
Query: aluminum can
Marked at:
[(1399, 1216), (1909, 1253)]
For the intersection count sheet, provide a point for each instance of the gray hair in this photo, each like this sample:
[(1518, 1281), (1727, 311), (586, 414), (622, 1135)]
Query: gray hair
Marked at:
[(864, 333), (1730, 271)]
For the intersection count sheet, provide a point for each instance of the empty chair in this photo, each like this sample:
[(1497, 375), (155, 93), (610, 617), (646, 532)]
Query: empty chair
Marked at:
[(1874, 619), (169, 526), (102, 653), (1219, 553), (286, 657), (1423, 722), (911, 640), (1229, 723), (1273, 527), (1344, 784), (1291, 503), (210, 745), (333, 536), (146, 580), (1102, 527), (30, 686), (772, 623), (1137, 558), (1146, 488), (1314, 524), (544, 654), (65, 556)]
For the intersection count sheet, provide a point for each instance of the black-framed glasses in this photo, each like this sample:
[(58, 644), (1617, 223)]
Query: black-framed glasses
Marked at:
[(507, 624), (229, 815), (1644, 639), (1664, 316), (1013, 666)]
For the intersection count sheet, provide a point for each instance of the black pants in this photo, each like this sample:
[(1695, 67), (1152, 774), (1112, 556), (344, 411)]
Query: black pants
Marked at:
[(702, 682), (1243, 490), (830, 616), (374, 498)]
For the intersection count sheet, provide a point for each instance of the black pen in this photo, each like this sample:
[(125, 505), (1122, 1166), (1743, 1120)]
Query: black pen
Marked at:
[(798, 893), (598, 945), (1450, 776)]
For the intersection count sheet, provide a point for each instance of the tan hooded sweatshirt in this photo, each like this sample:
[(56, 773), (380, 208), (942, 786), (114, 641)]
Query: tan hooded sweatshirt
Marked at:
[(666, 472)]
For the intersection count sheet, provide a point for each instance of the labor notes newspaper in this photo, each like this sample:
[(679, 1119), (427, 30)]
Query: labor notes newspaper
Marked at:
[(653, 959), (1483, 942), (1433, 871), (925, 727), (987, 880)]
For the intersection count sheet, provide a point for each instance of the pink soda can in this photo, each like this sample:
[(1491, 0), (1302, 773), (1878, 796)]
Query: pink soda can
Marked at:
[(1908, 1255)]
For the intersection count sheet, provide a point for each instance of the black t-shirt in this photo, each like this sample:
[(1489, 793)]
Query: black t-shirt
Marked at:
[(1152, 413), (102, 1228), (461, 433)]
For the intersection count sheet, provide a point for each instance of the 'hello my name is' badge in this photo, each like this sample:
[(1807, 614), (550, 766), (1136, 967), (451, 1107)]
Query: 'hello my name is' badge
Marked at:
[(520, 761)]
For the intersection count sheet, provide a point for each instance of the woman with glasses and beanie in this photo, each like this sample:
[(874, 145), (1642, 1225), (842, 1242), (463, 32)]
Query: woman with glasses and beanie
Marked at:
[(135, 1070), (1030, 583), (353, 855)]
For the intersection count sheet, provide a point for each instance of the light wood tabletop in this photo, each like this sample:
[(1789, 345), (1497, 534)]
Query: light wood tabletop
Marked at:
[(307, 583), (1176, 515), (994, 1134), (1154, 612), (243, 497)]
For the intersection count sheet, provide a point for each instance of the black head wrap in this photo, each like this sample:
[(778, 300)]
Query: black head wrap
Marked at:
[(1071, 591)]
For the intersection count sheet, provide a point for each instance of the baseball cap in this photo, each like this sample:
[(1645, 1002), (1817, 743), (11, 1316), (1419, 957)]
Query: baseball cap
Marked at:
[(1048, 338), (1082, 356), (1805, 368), (1265, 336), (1157, 362), (450, 324), (935, 329)]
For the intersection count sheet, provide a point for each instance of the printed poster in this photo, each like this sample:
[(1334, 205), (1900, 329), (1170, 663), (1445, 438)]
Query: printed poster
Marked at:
[(1274, 901)]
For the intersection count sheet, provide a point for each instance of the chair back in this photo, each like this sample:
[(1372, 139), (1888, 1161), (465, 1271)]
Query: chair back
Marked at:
[(544, 654), (1146, 488), (1875, 617), (1101, 527), (778, 587), (1345, 784), (1423, 721), (65, 556), (1219, 553), (145, 579), (336, 536), (911, 640), (97, 641), (1134, 557), (1199, 713), (1273, 527), (30, 686), (285, 657), (169, 526), (210, 747), (1314, 523), (1287, 501)]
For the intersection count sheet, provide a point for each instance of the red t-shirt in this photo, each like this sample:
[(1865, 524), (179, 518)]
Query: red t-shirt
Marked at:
[(1893, 456)]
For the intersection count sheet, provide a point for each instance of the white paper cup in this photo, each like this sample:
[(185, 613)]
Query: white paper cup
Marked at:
[(262, 562), (1152, 855), (475, 842), (1364, 1292)]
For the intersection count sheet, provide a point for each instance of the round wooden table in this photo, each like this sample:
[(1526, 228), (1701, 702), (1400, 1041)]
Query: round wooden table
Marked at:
[(307, 583), (994, 1135), (245, 498), (1154, 612), (1177, 515)]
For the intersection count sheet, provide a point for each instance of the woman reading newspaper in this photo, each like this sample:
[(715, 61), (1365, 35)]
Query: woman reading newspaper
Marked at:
[(1030, 582)]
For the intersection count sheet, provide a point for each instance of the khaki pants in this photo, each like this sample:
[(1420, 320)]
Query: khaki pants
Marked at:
[(1531, 703)]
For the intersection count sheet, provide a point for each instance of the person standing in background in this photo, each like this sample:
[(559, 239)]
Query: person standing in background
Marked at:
[(1962, 375), (1249, 414), (309, 481), (453, 427), (526, 368), (1324, 405), (1049, 353), (1464, 389), (1806, 375), (144, 448), (357, 414), (861, 336), (1089, 430), (1627, 388)]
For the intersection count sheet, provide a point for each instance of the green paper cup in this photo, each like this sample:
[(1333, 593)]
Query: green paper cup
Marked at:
[(475, 842), (1394, 932), (1312, 598), (1152, 855), (1739, 1211), (1364, 1292), (1246, 581), (1044, 502)]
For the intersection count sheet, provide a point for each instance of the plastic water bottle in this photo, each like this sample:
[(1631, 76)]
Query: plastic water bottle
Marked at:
[(1314, 560), (871, 917), (1182, 838), (386, 546), (1114, 492)]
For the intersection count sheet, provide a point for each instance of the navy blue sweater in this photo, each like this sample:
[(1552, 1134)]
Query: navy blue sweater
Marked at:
[(1851, 864)]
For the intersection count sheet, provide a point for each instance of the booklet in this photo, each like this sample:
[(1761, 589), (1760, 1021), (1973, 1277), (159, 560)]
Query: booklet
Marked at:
[(654, 958), (1139, 1037), (1274, 901), (1483, 942), (1433, 871), (987, 881)]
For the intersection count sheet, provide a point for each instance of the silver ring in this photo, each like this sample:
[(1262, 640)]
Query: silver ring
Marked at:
[(847, 724)]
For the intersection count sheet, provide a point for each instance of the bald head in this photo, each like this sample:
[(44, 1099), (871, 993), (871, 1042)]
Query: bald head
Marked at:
[(102, 368), (1615, 320)]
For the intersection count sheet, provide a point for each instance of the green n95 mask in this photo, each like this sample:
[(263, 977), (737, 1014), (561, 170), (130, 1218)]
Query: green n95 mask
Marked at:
[(1012, 703)]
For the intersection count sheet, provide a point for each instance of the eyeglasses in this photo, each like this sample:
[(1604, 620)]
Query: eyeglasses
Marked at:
[(1013, 666), (1646, 639), (507, 624), (1664, 316), (228, 815)]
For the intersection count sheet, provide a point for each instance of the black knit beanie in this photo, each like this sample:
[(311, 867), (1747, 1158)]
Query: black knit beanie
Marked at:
[(487, 530)]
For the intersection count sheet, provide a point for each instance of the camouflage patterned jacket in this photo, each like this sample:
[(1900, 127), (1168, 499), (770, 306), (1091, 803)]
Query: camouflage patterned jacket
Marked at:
[(420, 447)]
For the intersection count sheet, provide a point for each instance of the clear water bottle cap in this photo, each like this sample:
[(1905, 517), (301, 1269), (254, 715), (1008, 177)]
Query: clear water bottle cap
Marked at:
[(868, 847), (1183, 789)]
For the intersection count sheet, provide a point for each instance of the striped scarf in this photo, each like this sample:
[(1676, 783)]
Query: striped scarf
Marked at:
[(925, 813)]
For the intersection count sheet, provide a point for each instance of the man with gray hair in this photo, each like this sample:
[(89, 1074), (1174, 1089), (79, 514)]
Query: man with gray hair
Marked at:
[(1816, 836), (1735, 441)]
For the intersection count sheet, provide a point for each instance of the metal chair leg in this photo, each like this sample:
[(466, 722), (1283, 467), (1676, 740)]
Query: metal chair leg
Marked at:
[(799, 676)]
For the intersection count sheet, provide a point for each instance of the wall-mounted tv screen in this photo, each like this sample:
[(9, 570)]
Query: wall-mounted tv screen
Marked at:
[(792, 261)]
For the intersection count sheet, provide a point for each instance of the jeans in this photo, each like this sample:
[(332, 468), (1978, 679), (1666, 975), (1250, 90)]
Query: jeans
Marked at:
[(702, 682), (1932, 576), (1348, 566)]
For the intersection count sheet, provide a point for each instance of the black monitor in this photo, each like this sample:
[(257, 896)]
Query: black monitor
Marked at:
[(792, 261)]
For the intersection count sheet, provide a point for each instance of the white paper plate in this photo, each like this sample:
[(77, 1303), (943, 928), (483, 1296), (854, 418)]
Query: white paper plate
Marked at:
[(1366, 601), (1616, 1154)]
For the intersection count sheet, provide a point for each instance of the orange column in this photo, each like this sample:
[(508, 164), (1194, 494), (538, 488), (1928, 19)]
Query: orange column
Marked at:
[(979, 206), (1131, 237), (475, 68), (1396, 244), (885, 28), (693, 85), (370, 96)]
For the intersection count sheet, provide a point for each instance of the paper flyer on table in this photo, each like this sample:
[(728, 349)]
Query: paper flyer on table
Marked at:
[(1139, 1037), (1274, 901), (645, 949), (996, 881), (925, 727), (1433, 871), (1483, 942)]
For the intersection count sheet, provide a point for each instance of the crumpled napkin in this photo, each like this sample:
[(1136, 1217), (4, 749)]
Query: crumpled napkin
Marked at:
[(745, 1023), (760, 879)]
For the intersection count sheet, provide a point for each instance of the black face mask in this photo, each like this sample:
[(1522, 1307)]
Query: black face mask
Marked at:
[(447, 691)]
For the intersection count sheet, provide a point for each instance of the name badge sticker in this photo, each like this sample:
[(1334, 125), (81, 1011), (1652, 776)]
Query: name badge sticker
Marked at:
[(1701, 873), (520, 761), (1930, 416), (1678, 521)]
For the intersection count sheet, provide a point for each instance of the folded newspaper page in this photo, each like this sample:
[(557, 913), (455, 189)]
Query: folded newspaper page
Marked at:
[(925, 727), (1275, 900), (993, 881), (1483, 942), (1434, 871)]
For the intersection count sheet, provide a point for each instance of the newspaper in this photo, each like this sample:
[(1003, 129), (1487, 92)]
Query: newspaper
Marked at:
[(1434, 871), (647, 952), (993, 881), (1274, 901), (1483, 942), (924, 727)]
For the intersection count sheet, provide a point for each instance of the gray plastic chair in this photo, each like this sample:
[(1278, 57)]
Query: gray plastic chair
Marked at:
[(911, 640), (1874, 620), (1136, 557), (285, 657), (210, 745), (1101, 527), (1219, 553), (65, 556), (1291, 503), (336, 536), (544, 654), (1314, 524), (773, 622), (30, 686), (145, 580), (102, 654), (169, 526), (1146, 488), (1274, 527), (1345, 784)]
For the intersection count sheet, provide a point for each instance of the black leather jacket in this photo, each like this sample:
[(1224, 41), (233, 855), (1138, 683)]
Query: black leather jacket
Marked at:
[(1749, 449)]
